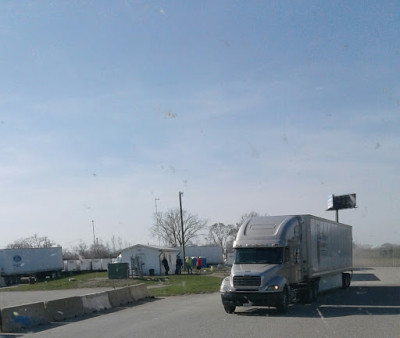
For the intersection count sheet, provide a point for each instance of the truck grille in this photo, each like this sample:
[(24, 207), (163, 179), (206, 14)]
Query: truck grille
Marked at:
[(240, 281)]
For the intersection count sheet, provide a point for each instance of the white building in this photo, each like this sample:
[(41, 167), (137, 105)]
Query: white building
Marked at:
[(146, 259)]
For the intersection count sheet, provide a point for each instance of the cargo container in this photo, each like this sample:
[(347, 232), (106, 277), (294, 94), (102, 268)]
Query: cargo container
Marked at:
[(36, 263), (73, 265), (85, 265), (212, 253), (281, 259), (97, 264)]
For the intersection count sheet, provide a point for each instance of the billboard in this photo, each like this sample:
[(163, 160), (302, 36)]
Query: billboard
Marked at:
[(341, 202)]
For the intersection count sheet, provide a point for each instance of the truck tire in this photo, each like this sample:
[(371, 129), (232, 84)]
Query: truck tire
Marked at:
[(314, 291), (229, 308), (308, 295), (283, 305)]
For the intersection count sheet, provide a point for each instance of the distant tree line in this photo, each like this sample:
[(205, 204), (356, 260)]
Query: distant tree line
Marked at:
[(82, 250), (387, 254), (34, 241)]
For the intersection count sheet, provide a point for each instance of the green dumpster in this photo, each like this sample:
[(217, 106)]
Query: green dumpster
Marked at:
[(118, 270)]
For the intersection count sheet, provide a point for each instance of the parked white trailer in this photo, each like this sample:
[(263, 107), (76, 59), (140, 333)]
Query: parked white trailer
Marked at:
[(30, 262), (278, 259), (212, 253), (73, 265), (97, 264), (85, 265), (104, 263)]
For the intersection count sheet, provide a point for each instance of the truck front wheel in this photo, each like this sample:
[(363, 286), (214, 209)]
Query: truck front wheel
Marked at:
[(229, 308), (283, 305)]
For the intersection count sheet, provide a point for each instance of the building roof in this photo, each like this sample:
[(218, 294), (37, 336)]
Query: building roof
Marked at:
[(153, 247)]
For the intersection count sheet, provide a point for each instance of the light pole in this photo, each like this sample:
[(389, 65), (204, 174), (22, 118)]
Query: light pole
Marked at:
[(183, 235)]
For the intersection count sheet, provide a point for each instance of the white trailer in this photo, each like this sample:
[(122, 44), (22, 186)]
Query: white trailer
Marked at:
[(97, 264), (212, 253), (85, 265), (278, 259), (30, 262), (73, 265)]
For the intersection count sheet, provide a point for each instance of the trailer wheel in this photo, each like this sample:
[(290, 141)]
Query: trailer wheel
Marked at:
[(283, 305), (308, 295), (229, 308), (314, 288)]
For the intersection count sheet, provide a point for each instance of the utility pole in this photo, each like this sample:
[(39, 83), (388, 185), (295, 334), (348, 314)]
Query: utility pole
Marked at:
[(183, 235), (94, 237), (157, 221)]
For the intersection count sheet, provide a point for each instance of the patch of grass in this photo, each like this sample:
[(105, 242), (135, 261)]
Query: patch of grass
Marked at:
[(66, 282), (157, 285), (185, 284)]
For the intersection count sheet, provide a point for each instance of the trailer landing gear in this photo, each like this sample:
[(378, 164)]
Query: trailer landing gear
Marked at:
[(346, 280)]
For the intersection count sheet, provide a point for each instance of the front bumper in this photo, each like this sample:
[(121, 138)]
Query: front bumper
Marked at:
[(238, 298)]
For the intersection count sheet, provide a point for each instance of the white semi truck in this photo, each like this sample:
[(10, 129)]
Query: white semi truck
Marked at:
[(280, 259), (35, 263)]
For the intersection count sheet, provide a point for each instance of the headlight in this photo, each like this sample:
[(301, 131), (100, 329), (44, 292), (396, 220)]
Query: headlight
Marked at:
[(274, 287), (226, 285)]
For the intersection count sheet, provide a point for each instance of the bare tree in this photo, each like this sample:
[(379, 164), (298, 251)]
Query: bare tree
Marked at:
[(234, 230), (219, 234), (116, 244), (32, 242), (98, 250), (243, 218), (168, 227)]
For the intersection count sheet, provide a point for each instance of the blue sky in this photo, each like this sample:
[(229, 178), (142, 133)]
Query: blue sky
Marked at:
[(244, 106)]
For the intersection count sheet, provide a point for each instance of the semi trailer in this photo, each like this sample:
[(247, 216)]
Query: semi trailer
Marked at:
[(33, 263), (282, 259)]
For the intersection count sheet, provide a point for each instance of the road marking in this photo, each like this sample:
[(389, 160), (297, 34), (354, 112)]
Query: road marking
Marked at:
[(322, 317), (362, 306)]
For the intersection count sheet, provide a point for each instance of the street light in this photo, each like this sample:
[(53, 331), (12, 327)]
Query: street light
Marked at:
[(183, 235)]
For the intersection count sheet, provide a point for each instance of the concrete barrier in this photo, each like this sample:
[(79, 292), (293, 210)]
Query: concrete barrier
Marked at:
[(65, 308), (95, 302), (22, 317), (119, 297), (138, 291)]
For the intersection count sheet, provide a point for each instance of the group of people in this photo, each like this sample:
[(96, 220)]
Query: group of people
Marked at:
[(179, 264)]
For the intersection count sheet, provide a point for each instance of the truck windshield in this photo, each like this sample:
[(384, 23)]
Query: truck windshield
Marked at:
[(258, 256)]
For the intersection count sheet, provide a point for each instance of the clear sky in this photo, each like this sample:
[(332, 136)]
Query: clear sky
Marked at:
[(267, 106)]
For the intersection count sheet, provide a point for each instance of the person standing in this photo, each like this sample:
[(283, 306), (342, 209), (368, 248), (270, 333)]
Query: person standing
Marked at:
[(179, 264), (198, 264), (188, 263), (166, 266)]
